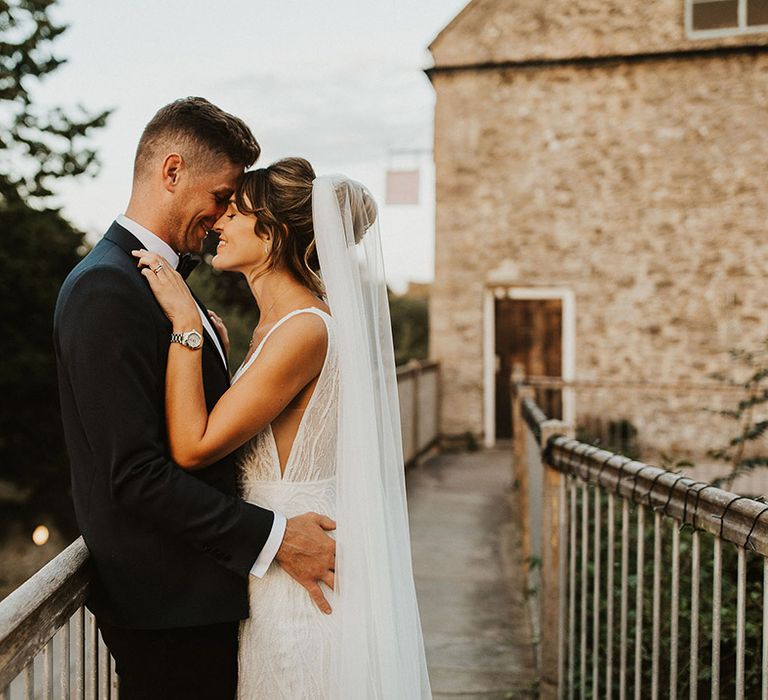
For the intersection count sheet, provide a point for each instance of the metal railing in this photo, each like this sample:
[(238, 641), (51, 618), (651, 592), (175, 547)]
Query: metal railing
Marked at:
[(49, 643), (629, 602), (653, 421)]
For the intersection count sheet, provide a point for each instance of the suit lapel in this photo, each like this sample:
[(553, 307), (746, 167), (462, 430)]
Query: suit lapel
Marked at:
[(123, 238), (210, 341)]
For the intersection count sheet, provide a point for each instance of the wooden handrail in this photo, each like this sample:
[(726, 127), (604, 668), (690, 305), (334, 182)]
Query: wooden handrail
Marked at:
[(34, 612)]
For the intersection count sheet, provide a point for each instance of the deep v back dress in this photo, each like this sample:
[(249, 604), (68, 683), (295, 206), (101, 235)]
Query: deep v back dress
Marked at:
[(286, 644)]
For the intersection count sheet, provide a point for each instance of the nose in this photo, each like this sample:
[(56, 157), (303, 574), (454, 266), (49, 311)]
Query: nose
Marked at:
[(218, 224)]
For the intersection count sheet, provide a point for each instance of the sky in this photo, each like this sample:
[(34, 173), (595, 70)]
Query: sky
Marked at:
[(339, 82)]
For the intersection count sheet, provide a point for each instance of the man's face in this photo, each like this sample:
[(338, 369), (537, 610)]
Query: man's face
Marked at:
[(201, 199)]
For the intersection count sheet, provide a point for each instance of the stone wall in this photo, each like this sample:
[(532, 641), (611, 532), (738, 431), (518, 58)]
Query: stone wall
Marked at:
[(643, 187), (493, 31)]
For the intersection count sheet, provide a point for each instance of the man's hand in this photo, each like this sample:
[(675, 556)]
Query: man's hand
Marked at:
[(308, 554)]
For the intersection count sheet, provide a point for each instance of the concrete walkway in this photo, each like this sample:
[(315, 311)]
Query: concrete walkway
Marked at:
[(469, 577)]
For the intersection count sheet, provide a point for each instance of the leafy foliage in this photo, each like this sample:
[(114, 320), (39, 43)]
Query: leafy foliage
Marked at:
[(41, 249), (704, 615), (741, 452), (37, 146), (410, 327)]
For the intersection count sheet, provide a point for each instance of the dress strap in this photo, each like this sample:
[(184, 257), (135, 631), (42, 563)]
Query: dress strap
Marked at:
[(280, 322)]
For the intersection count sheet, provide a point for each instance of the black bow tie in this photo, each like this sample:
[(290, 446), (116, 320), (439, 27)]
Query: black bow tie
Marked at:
[(186, 264)]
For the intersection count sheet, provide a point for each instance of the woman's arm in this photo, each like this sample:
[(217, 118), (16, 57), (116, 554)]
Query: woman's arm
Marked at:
[(292, 357), (290, 360)]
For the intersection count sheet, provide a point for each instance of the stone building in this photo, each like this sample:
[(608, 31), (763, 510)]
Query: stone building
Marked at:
[(602, 208)]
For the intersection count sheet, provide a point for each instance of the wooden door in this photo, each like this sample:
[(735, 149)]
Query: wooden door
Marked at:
[(529, 335)]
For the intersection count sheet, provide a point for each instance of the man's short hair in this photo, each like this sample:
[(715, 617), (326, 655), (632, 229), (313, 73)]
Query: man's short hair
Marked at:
[(201, 131)]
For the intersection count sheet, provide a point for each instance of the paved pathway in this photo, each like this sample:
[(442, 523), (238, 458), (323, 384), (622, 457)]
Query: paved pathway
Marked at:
[(469, 578)]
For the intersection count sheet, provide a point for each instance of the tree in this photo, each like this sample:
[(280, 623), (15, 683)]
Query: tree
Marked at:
[(37, 147), (40, 249), (410, 326)]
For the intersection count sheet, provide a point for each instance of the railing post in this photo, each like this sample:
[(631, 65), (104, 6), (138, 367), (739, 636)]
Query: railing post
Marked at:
[(520, 459), (553, 548), (416, 410), (438, 402)]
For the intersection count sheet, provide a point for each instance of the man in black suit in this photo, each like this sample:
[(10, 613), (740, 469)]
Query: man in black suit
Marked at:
[(171, 550)]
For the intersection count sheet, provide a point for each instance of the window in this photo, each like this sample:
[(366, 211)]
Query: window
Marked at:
[(714, 18)]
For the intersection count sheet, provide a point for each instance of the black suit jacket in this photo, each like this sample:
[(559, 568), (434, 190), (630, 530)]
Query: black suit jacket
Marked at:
[(170, 548)]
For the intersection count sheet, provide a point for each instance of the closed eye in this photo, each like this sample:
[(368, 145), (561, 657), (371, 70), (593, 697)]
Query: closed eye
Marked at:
[(222, 197)]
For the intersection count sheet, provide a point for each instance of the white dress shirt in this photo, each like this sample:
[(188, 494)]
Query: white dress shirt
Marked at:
[(155, 244)]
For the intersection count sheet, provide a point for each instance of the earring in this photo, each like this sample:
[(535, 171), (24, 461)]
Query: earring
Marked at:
[(266, 249)]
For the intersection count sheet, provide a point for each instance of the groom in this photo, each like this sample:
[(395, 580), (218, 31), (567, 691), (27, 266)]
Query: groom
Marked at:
[(171, 551)]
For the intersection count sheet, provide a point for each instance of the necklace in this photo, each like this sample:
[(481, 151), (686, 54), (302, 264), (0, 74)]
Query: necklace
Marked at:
[(262, 318)]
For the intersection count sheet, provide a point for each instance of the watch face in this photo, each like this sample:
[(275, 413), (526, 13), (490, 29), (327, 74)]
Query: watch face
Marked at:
[(194, 340)]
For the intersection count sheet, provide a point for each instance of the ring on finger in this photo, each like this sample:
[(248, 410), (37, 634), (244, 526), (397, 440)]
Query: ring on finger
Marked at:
[(158, 268)]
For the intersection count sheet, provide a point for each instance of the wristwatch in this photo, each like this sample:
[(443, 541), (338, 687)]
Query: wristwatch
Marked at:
[(191, 339)]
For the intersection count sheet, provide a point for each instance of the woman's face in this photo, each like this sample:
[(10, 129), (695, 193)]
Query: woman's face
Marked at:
[(240, 248)]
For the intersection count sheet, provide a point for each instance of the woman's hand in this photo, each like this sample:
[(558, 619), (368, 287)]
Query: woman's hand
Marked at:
[(221, 329), (170, 290)]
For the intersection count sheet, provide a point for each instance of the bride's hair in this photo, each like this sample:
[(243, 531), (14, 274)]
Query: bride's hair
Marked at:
[(280, 197)]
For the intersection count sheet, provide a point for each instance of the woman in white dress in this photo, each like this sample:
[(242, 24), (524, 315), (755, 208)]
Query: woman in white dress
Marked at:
[(314, 409)]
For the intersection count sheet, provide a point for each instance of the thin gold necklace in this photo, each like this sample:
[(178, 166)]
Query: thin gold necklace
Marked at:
[(263, 318)]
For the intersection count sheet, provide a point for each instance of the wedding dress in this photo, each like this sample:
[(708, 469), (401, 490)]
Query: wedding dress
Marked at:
[(286, 644), (346, 462)]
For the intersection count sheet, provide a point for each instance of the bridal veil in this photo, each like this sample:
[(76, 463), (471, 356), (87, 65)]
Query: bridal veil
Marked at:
[(380, 654)]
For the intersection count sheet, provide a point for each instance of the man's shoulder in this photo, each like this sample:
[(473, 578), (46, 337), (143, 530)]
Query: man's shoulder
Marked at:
[(104, 271), (106, 263)]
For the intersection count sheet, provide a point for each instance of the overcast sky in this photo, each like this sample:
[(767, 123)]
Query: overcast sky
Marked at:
[(339, 82)]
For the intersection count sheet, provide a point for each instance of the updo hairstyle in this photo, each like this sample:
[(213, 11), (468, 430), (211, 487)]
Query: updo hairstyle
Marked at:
[(280, 197)]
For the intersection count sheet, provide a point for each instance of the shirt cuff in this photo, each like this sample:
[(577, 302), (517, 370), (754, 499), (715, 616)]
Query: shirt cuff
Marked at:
[(269, 550)]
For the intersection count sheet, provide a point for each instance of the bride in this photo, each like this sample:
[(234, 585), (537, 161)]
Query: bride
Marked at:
[(314, 408)]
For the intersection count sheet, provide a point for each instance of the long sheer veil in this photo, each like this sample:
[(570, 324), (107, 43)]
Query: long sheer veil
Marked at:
[(381, 651)]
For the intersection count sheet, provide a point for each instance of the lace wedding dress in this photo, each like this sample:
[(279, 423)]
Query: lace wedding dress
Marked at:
[(286, 644), (346, 462)]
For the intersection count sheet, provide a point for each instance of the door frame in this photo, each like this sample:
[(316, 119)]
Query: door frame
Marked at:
[(568, 349)]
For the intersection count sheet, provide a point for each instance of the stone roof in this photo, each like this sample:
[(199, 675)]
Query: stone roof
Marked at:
[(519, 31)]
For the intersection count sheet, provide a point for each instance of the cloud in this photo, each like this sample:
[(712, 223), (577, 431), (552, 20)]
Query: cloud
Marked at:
[(336, 115)]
